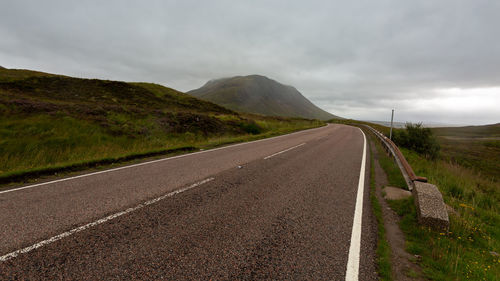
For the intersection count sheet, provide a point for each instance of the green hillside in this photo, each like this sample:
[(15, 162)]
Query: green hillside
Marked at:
[(50, 121), (476, 147), (260, 95), (484, 131)]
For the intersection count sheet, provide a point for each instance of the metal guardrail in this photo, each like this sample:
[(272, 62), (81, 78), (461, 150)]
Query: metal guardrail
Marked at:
[(431, 209), (403, 165)]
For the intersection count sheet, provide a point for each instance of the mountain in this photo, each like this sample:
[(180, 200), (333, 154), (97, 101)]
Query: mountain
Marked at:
[(260, 95)]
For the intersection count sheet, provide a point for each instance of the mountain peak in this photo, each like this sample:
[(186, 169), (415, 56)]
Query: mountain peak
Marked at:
[(261, 95)]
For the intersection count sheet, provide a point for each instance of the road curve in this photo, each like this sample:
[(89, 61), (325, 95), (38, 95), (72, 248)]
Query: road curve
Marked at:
[(280, 208)]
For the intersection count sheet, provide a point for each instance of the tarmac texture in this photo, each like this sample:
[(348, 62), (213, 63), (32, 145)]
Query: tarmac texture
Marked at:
[(288, 217)]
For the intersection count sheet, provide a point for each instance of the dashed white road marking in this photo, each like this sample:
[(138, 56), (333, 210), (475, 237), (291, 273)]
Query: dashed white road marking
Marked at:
[(158, 160), (352, 271), (283, 151), (100, 221)]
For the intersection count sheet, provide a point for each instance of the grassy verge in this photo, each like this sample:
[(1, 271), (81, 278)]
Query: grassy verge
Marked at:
[(23, 175), (383, 248), (468, 250), (42, 145), (394, 176)]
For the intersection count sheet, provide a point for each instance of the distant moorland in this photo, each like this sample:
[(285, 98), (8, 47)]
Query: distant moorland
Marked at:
[(475, 147)]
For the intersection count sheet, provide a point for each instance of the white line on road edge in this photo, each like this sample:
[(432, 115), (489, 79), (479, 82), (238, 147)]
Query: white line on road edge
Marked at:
[(283, 151), (158, 160), (354, 250), (100, 221)]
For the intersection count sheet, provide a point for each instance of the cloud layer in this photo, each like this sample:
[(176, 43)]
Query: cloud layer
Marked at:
[(431, 60)]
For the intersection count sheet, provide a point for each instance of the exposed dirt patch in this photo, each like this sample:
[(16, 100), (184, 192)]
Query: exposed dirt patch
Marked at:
[(395, 193), (402, 267)]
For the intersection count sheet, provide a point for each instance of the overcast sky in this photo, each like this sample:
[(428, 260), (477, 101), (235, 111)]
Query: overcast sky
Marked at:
[(435, 61)]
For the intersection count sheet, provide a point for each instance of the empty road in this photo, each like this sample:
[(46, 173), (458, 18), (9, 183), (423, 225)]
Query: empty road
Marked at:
[(281, 208)]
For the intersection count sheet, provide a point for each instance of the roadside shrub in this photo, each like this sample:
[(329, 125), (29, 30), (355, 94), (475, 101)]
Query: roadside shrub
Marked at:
[(251, 127), (419, 139)]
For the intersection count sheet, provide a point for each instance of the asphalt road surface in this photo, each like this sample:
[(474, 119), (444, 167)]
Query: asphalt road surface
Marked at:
[(281, 208)]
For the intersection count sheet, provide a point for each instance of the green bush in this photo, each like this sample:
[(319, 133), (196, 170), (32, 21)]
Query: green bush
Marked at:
[(251, 127), (419, 139)]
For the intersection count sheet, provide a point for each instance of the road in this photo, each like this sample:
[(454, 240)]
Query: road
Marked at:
[(281, 208)]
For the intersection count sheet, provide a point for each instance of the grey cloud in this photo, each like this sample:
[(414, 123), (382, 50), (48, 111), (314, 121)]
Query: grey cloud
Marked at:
[(357, 59)]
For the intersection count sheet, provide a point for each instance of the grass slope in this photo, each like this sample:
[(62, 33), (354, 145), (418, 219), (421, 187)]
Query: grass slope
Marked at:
[(384, 266), (475, 147), (469, 250), (49, 121), (260, 95)]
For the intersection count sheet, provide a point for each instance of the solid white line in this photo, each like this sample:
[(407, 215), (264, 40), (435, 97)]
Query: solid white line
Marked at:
[(155, 161), (283, 151), (354, 250), (97, 222)]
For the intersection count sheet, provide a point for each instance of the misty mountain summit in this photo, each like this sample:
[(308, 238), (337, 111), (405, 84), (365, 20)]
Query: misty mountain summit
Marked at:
[(261, 95)]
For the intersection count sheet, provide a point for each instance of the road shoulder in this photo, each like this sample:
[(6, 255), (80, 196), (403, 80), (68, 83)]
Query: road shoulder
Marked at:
[(401, 261)]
